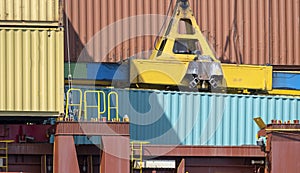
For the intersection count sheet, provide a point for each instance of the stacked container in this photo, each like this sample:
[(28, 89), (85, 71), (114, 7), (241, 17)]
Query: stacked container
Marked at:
[(245, 32), (31, 58)]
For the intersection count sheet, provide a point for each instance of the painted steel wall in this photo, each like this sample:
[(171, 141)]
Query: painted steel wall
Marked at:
[(186, 118), (31, 70), (31, 12), (246, 32)]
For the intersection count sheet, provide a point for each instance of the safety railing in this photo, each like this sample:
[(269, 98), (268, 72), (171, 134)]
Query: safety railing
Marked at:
[(104, 103), (111, 107), (98, 106), (70, 101)]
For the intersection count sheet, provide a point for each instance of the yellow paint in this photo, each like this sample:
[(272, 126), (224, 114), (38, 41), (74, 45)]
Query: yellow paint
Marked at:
[(173, 35), (157, 72), (285, 92), (166, 67), (248, 76), (31, 70), (30, 12), (98, 106), (110, 107)]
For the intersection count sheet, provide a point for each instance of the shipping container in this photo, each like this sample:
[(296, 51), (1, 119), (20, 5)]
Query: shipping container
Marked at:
[(242, 32), (190, 118), (31, 12), (31, 71)]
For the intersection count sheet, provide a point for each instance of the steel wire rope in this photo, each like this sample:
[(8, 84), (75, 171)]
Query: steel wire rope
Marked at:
[(164, 23)]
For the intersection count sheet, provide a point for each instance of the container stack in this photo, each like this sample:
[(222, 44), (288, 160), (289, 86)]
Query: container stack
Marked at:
[(242, 32), (31, 57)]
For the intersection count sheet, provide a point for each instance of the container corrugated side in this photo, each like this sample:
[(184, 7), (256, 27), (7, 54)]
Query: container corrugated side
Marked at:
[(190, 118), (31, 12), (31, 71), (245, 32)]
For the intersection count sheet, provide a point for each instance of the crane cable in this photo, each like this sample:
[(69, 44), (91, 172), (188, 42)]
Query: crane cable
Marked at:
[(163, 25), (68, 47)]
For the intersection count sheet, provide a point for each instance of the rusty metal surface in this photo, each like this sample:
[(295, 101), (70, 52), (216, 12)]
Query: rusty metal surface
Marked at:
[(283, 147), (203, 151), (65, 156), (92, 128), (222, 165), (115, 154), (246, 32), (13, 131)]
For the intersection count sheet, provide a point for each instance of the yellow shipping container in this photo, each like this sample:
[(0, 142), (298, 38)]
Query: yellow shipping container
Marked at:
[(31, 12), (31, 71)]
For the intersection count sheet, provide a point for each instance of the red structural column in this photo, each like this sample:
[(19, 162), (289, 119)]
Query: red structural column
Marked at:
[(65, 157), (115, 154)]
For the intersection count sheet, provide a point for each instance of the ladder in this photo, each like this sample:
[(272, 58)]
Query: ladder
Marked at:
[(137, 155), (4, 157)]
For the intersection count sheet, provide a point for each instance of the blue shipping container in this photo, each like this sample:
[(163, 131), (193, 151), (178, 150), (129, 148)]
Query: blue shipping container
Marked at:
[(286, 80), (189, 118)]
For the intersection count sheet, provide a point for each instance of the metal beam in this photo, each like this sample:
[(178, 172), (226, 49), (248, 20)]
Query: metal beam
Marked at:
[(202, 151), (93, 128)]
